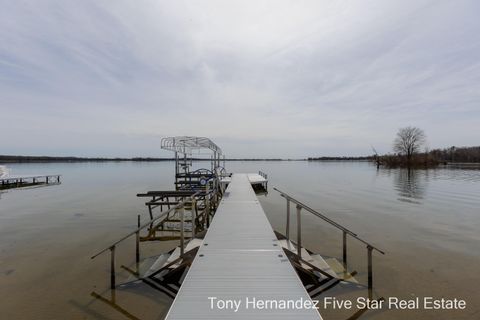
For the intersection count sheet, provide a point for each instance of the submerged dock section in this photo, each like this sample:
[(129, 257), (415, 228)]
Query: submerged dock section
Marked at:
[(240, 260)]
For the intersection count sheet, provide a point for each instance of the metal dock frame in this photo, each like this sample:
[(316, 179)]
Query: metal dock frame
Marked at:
[(346, 232), (240, 258), (11, 182), (136, 233)]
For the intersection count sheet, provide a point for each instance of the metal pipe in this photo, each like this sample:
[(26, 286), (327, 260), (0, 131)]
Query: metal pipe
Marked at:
[(182, 233), (207, 205), (370, 272), (112, 267), (150, 212), (137, 243), (318, 214), (299, 232), (194, 216), (176, 166), (148, 223), (288, 220)]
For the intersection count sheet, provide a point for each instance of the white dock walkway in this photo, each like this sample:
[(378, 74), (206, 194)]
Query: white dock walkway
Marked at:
[(240, 259), (254, 178)]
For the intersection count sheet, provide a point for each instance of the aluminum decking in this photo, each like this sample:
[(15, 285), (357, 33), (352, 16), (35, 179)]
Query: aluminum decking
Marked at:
[(240, 259), (254, 178)]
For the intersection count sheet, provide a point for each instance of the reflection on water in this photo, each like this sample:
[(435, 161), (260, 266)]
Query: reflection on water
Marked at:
[(3, 171), (410, 184), (427, 222)]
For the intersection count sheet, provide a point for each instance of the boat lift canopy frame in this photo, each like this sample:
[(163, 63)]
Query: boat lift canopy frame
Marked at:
[(184, 147), (188, 144)]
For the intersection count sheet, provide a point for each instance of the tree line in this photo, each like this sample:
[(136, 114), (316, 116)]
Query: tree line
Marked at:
[(410, 151), (408, 144), (457, 154)]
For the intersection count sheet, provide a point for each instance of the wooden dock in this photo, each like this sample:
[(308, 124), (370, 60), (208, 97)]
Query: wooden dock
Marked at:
[(240, 259)]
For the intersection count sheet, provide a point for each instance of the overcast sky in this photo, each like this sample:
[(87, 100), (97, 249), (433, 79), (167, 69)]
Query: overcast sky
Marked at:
[(260, 78)]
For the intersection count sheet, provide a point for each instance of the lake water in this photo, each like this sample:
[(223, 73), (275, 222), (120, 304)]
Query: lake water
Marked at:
[(428, 223)]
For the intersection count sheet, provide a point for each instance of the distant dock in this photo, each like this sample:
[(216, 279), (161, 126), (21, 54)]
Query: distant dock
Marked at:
[(21, 181)]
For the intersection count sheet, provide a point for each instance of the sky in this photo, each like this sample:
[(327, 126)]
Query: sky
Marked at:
[(286, 79)]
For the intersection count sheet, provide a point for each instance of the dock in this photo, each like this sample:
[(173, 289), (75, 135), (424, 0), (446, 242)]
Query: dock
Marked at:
[(240, 258), (21, 181), (229, 262)]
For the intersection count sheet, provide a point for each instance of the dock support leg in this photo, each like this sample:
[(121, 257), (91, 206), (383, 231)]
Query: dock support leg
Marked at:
[(344, 254), (112, 268), (299, 232), (287, 234), (207, 207), (182, 232), (194, 217), (150, 212), (370, 273), (137, 244)]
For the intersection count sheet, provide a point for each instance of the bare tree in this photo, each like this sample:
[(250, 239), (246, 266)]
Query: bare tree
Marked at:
[(408, 141)]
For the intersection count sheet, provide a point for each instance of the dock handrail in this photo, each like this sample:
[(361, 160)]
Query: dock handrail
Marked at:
[(263, 174), (345, 231), (136, 232), (323, 217)]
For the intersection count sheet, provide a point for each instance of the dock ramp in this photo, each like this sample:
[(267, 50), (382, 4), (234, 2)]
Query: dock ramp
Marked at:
[(240, 260)]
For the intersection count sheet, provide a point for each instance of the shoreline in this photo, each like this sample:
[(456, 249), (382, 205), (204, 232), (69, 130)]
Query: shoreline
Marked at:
[(8, 159)]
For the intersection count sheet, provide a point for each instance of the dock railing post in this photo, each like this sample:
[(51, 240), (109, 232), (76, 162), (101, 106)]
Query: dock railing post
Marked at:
[(112, 268), (299, 232), (344, 250), (370, 272), (137, 244), (182, 232), (287, 234), (194, 216), (207, 205)]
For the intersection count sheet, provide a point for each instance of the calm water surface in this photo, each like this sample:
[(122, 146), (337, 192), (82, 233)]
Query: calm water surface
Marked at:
[(428, 222)]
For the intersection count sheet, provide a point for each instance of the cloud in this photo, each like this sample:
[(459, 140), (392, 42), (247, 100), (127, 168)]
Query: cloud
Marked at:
[(274, 79)]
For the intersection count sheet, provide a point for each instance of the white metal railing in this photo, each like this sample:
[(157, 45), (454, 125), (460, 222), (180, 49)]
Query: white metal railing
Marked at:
[(346, 232)]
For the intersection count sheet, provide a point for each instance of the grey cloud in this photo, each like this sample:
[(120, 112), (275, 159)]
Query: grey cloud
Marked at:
[(278, 79)]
